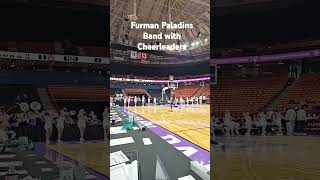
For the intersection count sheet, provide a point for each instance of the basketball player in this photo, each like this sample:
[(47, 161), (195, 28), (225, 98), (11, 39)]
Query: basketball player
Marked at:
[(172, 101), (82, 120)]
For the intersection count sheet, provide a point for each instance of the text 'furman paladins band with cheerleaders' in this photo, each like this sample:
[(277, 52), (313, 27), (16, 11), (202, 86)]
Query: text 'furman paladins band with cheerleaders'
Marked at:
[(171, 34)]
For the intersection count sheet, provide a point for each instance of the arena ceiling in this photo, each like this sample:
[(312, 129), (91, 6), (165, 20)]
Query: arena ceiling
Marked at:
[(264, 23), (196, 12)]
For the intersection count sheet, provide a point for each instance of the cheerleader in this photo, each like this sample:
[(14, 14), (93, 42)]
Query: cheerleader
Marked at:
[(125, 101), (229, 125), (248, 120), (149, 100), (278, 118), (93, 118), (82, 120), (105, 122), (60, 125), (187, 100), (181, 101), (129, 99), (47, 117), (135, 100), (154, 101), (262, 122), (143, 100)]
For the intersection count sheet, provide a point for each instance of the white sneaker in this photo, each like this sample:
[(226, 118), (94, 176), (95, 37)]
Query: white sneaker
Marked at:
[(59, 141), (81, 140)]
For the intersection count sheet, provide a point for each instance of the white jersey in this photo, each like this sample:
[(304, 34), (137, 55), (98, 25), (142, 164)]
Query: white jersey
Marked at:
[(262, 119), (301, 115), (269, 114), (279, 119), (291, 115), (248, 120)]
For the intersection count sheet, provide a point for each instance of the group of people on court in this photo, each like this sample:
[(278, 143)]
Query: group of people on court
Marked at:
[(147, 100), (291, 121), (51, 117)]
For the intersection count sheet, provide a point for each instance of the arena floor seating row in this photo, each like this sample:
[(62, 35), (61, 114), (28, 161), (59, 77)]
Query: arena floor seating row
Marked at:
[(81, 93), (134, 91), (245, 95), (305, 89)]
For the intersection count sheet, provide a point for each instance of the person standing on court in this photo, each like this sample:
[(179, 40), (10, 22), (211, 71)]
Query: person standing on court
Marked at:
[(290, 120), (301, 120)]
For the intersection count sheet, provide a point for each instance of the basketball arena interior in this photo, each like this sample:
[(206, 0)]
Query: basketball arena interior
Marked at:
[(160, 112), (54, 81), (265, 90)]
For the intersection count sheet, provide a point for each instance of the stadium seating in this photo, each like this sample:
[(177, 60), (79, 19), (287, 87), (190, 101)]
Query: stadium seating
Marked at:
[(135, 91), (16, 94), (186, 91), (80, 93), (204, 91), (245, 95), (305, 89)]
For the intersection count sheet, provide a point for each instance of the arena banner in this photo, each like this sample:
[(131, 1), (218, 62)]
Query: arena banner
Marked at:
[(53, 57), (159, 81), (266, 58), (139, 56)]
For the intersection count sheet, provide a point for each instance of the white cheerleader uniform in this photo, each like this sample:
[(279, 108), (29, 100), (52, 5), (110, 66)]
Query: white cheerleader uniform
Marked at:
[(47, 122), (82, 121), (60, 122)]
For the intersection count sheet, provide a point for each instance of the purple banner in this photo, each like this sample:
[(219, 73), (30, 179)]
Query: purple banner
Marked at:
[(266, 58), (192, 151)]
